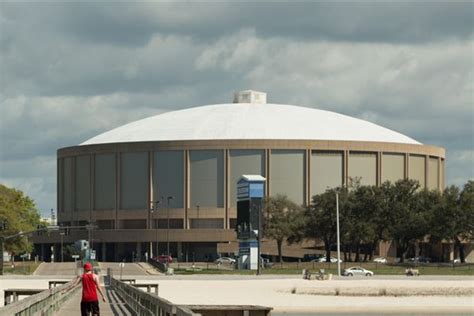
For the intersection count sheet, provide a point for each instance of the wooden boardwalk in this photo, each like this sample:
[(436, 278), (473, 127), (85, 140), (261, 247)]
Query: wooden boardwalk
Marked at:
[(114, 306)]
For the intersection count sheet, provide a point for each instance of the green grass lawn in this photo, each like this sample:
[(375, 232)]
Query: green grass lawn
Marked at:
[(378, 269), (28, 267)]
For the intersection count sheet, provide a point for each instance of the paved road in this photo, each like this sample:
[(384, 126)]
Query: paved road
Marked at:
[(128, 269), (114, 306)]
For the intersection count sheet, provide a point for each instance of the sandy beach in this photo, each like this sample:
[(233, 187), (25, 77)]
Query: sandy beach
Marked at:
[(287, 294)]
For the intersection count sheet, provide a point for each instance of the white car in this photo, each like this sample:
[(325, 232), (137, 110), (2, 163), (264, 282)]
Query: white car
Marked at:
[(332, 259), (380, 260), (227, 260), (357, 271)]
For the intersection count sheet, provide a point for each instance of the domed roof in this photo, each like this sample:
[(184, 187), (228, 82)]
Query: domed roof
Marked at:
[(257, 121)]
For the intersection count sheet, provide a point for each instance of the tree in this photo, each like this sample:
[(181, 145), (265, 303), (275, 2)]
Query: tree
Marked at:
[(320, 217), (282, 217), (408, 220), (20, 214), (454, 219)]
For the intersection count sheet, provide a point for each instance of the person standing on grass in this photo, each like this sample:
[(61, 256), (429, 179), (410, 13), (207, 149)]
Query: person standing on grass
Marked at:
[(90, 286)]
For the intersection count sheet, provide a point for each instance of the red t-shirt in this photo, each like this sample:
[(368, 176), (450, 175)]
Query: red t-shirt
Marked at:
[(89, 293)]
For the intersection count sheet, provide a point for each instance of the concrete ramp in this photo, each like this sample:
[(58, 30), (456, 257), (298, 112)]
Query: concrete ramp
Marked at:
[(128, 268), (56, 268)]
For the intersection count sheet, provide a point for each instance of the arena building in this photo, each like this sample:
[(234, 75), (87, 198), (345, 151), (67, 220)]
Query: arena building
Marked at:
[(169, 181)]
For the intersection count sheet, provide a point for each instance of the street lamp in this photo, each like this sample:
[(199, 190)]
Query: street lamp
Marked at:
[(338, 238), (152, 209), (168, 224)]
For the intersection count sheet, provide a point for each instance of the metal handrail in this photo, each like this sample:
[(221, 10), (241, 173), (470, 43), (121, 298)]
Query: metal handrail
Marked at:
[(44, 303), (143, 303)]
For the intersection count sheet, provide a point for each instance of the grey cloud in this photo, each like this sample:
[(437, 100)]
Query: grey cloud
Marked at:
[(71, 71)]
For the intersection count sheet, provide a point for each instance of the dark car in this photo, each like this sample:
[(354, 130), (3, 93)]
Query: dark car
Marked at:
[(420, 259), (311, 257), (165, 259)]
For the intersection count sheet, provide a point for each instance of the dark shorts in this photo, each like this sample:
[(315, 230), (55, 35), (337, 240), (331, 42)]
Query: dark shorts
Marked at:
[(90, 307)]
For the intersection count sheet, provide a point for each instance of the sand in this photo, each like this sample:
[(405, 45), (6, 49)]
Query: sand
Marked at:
[(291, 294)]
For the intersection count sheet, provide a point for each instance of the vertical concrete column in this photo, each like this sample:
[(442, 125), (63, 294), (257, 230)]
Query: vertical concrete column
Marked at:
[(345, 171), (186, 191), (59, 190), (117, 188), (91, 186), (379, 168), (104, 250), (226, 187), (427, 171), (440, 187), (308, 176), (267, 172), (151, 198), (407, 165)]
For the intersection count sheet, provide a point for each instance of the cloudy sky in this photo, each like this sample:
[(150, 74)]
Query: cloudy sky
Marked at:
[(69, 71)]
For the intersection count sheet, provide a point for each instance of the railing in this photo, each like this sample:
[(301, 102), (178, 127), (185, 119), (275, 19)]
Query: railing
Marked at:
[(143, 303), (147, 304), (158, 265), (44, 303)]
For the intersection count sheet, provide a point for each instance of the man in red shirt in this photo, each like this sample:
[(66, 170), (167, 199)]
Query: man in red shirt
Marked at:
[(90, 283)]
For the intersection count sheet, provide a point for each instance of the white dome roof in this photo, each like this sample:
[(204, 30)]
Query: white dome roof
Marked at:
[(250, 121)]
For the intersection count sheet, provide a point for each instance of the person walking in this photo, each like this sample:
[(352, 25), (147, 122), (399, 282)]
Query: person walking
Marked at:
[(90, 286)]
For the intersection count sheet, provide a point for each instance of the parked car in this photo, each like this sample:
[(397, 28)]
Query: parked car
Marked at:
[(266, 263), (225, 260), (311, 257), (357, 271), (165, 259), (420, 259), (380, 260), (332, 259)]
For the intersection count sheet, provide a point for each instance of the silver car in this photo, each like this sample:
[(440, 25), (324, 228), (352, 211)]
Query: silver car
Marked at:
[(357, 271), (225, 260)]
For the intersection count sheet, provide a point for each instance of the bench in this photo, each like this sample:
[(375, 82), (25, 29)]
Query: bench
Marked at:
[(148, 287)]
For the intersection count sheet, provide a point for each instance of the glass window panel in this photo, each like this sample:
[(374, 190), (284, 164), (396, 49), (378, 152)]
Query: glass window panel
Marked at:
[(326, 171), (83, 180), (433, 173), (206, 223), (417, 169), (244, 162), (207, 178), (364, 167), (168, 177), (105, 178), (134, 181), (393, 166), (287, 174), (67, 181)]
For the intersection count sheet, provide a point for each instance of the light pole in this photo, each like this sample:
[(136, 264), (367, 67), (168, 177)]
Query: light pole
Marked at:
[(168, 224), (154, 206), (338, 238)]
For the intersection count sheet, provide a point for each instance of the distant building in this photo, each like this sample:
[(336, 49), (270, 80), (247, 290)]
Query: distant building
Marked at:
[(123, 179)]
